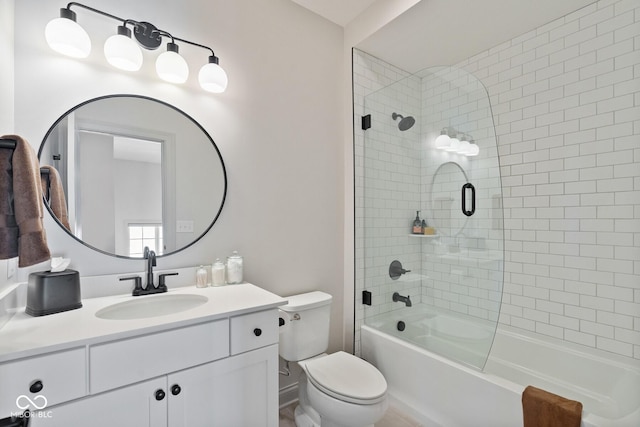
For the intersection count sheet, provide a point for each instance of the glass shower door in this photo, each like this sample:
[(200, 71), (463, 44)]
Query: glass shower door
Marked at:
[(452, 272)]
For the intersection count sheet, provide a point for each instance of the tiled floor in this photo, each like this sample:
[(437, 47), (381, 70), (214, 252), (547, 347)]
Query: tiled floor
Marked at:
[(393, 418)]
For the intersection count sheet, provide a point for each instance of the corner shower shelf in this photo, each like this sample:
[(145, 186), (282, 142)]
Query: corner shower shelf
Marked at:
[(426, 236)]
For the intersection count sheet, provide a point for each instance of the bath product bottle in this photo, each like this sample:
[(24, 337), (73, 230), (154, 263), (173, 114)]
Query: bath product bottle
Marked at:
[(201, 277), (234, 268), (217, 271), (417, 224)]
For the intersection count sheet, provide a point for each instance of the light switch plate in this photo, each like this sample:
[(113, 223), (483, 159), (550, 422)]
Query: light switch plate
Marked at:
[(184, 226)]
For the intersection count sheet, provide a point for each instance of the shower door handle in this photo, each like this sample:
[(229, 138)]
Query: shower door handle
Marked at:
[(465, 187)]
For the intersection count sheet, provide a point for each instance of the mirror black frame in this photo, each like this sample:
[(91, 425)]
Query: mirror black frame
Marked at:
[(224, 170)]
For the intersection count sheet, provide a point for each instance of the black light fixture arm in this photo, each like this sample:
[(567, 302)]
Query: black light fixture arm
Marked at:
[(73, 3), (148, 35)]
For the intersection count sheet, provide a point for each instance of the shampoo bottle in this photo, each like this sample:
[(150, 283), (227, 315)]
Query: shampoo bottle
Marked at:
[(417, 224)]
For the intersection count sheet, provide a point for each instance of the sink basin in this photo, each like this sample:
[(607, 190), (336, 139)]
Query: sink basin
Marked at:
[(151, 306)]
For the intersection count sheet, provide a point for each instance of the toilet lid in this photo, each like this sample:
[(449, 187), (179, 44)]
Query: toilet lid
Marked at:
[(347, 377)]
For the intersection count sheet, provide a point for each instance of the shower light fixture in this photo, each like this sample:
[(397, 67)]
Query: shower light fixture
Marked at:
[(66, 36), (464, 145)]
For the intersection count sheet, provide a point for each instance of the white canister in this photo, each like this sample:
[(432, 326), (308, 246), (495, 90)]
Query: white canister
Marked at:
[(217, 273), (234, 268), (201, 277)]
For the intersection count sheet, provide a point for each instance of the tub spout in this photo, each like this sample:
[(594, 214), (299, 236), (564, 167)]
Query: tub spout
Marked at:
[(406, 300)]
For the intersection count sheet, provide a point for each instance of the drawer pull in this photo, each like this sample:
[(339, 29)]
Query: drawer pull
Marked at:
[(160, 394), (175, 389), (36, 386), (257, 332)]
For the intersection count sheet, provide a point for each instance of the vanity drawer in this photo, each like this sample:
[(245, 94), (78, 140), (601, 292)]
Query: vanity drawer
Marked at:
[(253, 331), (127, 361), (62, 376)]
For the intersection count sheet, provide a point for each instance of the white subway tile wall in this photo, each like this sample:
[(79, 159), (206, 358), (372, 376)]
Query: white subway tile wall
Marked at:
[(566, 107)]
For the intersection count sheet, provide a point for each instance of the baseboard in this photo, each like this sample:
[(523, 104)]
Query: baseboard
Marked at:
[(288, 395)]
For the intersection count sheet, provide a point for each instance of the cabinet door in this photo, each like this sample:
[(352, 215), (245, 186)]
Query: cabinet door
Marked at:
[(240, 391), (133, 406)]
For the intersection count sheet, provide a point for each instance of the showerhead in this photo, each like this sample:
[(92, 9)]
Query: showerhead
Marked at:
[(405, 122)]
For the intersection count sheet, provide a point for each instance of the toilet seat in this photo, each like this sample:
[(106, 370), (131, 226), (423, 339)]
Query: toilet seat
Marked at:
[(347, 378)]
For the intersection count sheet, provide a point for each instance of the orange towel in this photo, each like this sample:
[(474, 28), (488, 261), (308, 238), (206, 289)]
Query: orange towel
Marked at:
[(543, 409), (22, 231), (54, 193)]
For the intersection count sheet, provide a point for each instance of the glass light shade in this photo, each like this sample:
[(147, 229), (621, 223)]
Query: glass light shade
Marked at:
[(172, 67), (454, 145), (123, 53), (442, 141), (67, 37), (213, 78), (473, 150), (464, 147)]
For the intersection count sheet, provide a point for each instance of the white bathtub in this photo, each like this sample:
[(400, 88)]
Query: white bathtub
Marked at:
[(440, 392)]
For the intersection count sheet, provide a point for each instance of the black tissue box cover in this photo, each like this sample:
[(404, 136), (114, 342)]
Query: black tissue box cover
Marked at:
[(49, 293)]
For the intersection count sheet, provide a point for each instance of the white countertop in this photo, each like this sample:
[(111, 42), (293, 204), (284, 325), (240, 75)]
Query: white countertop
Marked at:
[(25, 336)]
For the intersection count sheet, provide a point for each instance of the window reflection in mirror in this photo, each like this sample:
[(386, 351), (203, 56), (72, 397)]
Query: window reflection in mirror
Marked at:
[(135, 172)]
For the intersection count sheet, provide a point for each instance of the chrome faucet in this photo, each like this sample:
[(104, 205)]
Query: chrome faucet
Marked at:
[(406, 300), (150, 256)]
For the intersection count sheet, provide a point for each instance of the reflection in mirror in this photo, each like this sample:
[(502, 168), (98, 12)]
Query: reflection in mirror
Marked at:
[(446, 198), (136, 172)]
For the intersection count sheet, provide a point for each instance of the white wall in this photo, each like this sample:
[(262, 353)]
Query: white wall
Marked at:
[(6, 88), (565, 99)]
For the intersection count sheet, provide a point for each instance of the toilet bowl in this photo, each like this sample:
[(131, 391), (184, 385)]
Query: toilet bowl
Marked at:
[(334, 390), (340, 389)]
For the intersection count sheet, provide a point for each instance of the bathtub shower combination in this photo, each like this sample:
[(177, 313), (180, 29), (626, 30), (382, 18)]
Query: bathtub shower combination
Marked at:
[(433, 294)]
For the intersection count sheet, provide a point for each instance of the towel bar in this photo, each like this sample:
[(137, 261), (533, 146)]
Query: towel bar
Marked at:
[(8, 143)]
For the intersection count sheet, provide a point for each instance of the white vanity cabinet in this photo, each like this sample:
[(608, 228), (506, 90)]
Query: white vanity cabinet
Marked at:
[(222, 373), (237, 391)]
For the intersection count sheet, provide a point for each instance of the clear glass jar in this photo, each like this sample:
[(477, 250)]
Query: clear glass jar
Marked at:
[(234, 268), (201, 277), (218, 272)]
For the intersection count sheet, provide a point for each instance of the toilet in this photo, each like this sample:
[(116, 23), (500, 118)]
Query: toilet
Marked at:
[(334, 390)]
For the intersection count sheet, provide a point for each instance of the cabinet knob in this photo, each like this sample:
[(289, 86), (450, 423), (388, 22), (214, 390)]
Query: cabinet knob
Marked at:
[(160, 394), (36, 386), (175, 389), (257, 332)]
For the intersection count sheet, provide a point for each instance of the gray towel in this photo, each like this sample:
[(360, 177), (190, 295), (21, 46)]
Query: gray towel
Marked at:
[(22, 231)]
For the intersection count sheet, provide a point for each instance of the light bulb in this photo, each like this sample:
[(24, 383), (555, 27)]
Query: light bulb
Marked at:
[(454, 145), (172, 67), (442, 141), (66, 36), (473, 150), (464, 147), (212, 77), (122, 52)]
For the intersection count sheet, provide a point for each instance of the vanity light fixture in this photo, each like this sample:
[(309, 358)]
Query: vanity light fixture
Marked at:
[(66, 36), (464, 146)]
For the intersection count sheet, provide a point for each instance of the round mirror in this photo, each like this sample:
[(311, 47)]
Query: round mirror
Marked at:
[(446, 199), (122, 172)]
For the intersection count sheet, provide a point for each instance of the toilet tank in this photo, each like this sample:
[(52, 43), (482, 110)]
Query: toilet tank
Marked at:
[(305, 332)]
